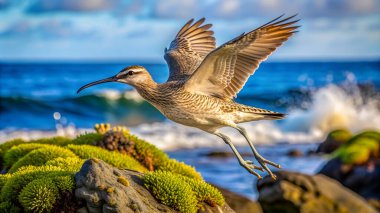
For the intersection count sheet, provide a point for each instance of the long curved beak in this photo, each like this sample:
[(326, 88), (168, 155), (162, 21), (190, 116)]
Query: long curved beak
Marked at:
[(110, 79)]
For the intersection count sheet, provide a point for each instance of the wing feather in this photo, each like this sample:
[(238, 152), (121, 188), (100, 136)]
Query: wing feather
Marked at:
[(225, 70), (188, 49)]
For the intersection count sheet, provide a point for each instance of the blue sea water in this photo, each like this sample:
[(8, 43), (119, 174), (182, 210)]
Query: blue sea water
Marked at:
[(31, 93), (317, 96)]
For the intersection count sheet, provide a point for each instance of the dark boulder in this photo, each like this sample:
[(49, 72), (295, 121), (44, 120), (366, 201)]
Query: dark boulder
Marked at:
[(295, 192)]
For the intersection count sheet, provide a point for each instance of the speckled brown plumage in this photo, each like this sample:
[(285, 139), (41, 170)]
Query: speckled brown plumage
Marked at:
[(203, 80)]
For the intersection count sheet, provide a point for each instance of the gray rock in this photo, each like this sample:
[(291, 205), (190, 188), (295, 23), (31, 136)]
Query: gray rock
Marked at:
[(108, 189), (295, 192), (240, 203)]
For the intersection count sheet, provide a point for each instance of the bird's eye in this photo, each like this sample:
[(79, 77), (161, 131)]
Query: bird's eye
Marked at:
[(131, 73)]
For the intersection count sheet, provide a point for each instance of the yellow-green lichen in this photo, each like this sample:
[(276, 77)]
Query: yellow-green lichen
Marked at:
[(39, 195), (40, 156), (110, 190), (171, 190), (123, 181), (114, 158)]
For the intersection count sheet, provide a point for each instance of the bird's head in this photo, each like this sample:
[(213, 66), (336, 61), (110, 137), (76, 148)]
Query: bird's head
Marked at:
[(132, 75)]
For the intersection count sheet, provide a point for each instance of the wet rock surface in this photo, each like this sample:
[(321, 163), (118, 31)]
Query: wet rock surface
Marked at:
[(107, 189), (295, 192)]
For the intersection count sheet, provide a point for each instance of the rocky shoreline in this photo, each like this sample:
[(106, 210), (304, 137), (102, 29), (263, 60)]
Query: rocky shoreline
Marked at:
[(114, 171)]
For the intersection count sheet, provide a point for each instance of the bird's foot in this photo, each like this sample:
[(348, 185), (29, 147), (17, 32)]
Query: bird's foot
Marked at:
[(263, 162), (250, 167)]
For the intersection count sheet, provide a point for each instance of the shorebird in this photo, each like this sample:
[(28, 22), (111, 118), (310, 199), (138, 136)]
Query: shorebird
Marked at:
[(204, 80)]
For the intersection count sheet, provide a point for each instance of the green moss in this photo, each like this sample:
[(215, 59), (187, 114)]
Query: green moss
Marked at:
[(64, 182), (114, 158), (358, 150), (367, 134), (70, 164), (15, 153), (24, 175), (3, 179), (58, 141), (9, 144), (147, 154), (9, 207), (40, 156), (39, 195), (340, 135), (171, 190), (174, 166), (204, 191), (87, 139)]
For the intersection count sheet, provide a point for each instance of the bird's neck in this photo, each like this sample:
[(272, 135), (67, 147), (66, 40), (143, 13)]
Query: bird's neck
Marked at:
[(147, 89)]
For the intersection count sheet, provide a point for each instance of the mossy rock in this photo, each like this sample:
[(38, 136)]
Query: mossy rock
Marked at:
[(87, 139), (18, 180), (334, 140), (40, 156), (114, 158), (17, 152), (375, 135), (358, 150), (68, 163), (181, 168), (147, 154), (340, 135), (171, 190), (9, 144), (160, 182), (58, 141)]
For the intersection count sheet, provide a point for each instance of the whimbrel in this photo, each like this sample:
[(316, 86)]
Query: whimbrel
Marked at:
[(204, 80)]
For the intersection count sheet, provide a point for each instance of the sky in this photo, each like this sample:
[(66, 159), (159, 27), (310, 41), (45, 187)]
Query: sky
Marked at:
[(117, 30)]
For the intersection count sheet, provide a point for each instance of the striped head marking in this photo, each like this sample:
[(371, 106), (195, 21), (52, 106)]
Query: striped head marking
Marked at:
[(133, 75)]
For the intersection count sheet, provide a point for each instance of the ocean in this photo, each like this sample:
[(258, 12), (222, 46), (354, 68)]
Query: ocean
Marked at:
[(39, 99)]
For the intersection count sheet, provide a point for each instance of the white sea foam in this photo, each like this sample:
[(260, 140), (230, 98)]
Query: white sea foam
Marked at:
[(331, 107), (116, 94)]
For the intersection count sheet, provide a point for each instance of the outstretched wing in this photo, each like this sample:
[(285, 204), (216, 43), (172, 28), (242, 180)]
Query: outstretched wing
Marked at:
[(225, 70), (188, 49)]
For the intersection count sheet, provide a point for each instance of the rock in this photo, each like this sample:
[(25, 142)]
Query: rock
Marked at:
[(107, 189), (224, 154), (295, 192), (356, 165), (240, 203), (333, 141), (363, 179), (294, 153)]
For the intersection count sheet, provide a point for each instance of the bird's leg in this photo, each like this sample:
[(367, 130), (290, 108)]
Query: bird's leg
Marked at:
[(248, 165), (258, 157)]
